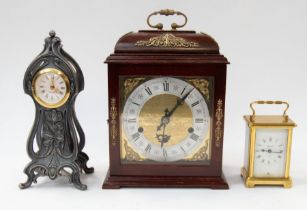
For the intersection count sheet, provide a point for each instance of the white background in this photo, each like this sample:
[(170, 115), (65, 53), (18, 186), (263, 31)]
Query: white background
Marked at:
[(265, 41)]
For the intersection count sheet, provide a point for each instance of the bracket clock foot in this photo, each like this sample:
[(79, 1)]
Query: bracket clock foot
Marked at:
[(53, 80), (117, 182)]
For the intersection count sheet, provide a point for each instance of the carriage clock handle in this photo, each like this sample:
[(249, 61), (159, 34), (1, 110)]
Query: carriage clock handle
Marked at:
[(252, 117)]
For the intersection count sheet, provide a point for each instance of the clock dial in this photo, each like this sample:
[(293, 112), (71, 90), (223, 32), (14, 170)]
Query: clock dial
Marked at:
[(50, 88), (270, 152), (166, 119)]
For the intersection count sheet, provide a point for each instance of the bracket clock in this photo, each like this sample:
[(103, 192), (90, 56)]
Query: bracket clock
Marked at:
[(166, 109), (56, 140)]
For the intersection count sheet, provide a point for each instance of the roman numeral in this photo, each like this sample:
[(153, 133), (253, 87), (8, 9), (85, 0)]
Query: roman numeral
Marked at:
[(164, 153), (195, 103), (199, 120), (136, 104), (182, 149), (166, 86), (148, 148), (183, 91), (194, 137), (133, 120), (148, 91), (136, 136)]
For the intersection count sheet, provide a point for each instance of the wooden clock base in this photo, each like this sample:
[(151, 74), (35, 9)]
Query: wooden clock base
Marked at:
[(116, 182)]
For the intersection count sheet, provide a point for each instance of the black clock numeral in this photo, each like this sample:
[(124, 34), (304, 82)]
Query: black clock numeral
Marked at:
[(195, 103), (194, 137), (148, 148), (61, 93), (164, 153), (62, 88), (136, 136), (199, 120), (182, 149), (136, 104), (61, 82), (133, 120), (148, 91), (183, 90), (165, 86)]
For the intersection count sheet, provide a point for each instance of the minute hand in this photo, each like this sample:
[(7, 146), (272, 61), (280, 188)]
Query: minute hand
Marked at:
[(179, 102)]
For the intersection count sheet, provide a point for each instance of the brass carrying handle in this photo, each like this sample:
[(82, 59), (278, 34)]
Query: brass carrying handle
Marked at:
[(269, 102), (167, 12)]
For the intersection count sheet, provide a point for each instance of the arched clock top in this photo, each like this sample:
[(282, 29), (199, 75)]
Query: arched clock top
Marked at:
[(53, 56)]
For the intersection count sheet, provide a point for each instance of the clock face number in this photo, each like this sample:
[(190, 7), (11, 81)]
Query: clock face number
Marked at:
[(270, 153), (165, 119), (50, 88)]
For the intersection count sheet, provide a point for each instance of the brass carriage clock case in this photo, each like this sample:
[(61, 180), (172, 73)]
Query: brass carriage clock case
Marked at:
[(166, 109), (268, 148)]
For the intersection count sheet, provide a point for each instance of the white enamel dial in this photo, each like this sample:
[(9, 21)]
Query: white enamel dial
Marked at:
[(165, 119), (270, 152), (50, 88)]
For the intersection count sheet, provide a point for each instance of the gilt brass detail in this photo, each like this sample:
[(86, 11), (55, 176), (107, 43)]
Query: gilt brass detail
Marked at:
[(166, 40), (150, 117), (202, 85), (130, 84), (131, 155), (113, 115), (218, 125), (201, 154), (44, 103)]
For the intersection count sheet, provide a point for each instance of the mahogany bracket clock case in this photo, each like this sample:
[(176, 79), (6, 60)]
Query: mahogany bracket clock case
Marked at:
[(56, 140), (166, 109)]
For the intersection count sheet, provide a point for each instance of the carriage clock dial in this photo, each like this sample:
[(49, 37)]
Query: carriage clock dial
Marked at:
[(166, 119), (51, 88), (270, 153)]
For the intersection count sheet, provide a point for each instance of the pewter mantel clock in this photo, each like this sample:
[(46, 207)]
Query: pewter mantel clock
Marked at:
[(166, 109), (56, 140)]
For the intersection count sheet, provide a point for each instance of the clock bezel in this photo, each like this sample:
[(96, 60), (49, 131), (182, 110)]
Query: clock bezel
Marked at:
[(67, 83), (208, 137)]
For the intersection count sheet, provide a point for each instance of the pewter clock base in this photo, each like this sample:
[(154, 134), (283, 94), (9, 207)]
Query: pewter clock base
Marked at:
[(116, 182), (38, 168)]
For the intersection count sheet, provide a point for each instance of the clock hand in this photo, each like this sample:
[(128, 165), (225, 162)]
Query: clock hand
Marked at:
[(163, 138), (166, 118), (179, 102), (270, 151)]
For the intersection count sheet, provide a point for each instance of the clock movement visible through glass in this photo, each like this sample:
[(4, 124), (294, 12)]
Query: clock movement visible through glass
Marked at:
[(166, 119)]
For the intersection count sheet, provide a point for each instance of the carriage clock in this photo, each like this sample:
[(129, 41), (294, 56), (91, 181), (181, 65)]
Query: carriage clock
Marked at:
[(166, 109), (268, 147), (56, 140)]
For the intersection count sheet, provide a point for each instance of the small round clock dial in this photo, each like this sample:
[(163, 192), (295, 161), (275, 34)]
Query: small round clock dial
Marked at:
[(270, 153), (51, 88), (166, 119)]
